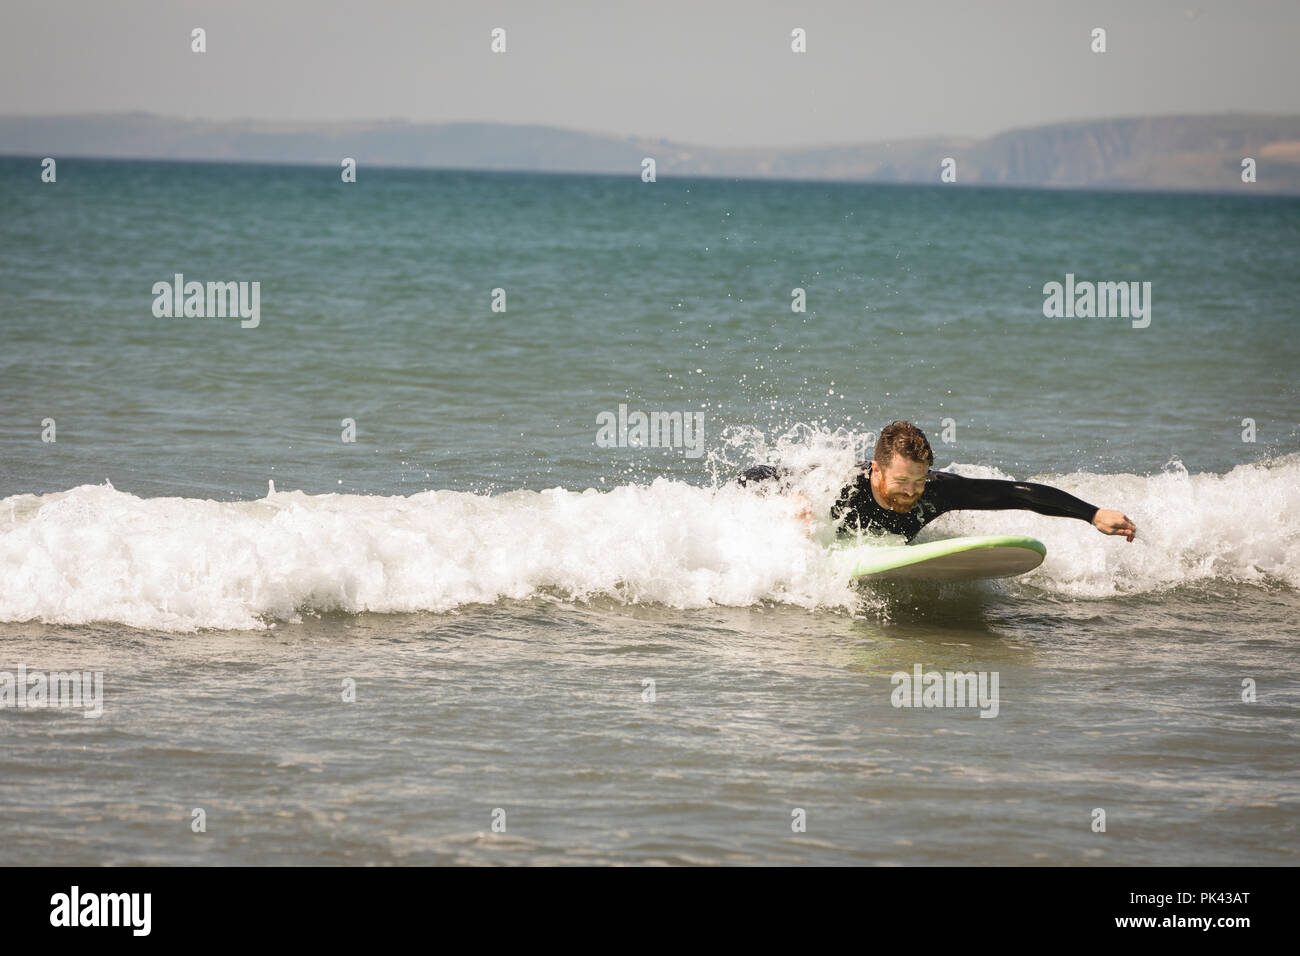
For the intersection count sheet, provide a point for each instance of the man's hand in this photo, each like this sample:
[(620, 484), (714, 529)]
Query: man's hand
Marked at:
[(1114, 522)]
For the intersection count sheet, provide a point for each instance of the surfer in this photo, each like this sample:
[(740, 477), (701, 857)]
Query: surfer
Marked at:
[(897, 493)]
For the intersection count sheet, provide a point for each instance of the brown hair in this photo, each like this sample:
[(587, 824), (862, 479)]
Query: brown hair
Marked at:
[(903, 438)]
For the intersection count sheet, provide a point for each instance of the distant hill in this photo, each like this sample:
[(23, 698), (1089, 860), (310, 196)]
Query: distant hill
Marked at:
[(1167, 152)]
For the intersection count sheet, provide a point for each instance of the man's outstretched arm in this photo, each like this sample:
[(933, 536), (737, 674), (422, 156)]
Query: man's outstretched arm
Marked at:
[(991, 494)]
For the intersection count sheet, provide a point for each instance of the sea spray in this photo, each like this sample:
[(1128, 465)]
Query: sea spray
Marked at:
[(97, 554)]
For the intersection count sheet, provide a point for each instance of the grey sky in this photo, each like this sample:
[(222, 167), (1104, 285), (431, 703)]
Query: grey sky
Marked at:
[(714, 72)]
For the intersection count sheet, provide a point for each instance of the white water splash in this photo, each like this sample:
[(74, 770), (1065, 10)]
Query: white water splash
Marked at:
[(97, 554)]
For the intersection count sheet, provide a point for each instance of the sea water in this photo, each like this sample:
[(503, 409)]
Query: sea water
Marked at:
[(421, 567)]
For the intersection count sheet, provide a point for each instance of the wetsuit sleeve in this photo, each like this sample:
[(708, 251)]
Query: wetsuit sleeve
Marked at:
[(956, 493)]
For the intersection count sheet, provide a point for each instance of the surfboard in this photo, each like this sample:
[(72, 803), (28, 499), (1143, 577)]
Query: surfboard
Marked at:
[(951, 559)]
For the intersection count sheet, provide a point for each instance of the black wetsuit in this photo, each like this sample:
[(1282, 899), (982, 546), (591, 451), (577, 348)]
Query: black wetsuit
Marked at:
[(943, 492)]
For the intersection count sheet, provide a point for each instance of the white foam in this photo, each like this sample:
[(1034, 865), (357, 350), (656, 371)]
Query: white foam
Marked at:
[(97, 554)]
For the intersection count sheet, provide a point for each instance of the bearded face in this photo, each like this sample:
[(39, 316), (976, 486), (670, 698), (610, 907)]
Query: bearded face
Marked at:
[(900, 483)]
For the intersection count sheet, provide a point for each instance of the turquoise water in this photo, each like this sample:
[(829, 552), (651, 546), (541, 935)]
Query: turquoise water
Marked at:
[(923, 303), (500, 583)]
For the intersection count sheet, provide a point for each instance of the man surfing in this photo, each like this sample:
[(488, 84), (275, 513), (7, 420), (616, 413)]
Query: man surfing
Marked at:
[(897, 493)]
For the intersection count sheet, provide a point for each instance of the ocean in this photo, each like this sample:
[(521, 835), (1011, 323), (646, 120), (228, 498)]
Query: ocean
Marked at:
[(434, 555)]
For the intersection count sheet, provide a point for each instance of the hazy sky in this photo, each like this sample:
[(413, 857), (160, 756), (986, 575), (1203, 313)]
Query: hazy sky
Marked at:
[(713, 72)]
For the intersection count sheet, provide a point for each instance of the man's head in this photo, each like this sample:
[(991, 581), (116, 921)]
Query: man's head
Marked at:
[(902, 460)]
